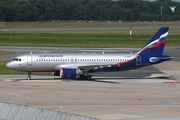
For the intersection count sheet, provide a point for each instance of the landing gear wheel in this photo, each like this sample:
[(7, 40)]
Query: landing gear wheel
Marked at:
[(88, 78), (85, 77), (82, 77), (28, 78)]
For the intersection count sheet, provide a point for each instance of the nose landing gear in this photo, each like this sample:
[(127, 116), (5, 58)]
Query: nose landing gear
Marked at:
[(29, 76)]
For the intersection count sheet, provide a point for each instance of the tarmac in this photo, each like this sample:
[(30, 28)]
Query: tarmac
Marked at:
[(150, 93)]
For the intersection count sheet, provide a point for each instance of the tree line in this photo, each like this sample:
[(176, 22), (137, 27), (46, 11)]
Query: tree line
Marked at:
[(115, 10)]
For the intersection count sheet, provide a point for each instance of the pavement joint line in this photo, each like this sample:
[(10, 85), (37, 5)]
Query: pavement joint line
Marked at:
[(5, 99), (178, 87)]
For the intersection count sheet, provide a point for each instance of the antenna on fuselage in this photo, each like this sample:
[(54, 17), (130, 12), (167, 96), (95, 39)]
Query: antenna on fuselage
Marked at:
[(30, 52), (103, 52)]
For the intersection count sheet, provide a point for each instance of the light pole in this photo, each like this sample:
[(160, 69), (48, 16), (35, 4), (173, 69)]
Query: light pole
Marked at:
[(161, 9)]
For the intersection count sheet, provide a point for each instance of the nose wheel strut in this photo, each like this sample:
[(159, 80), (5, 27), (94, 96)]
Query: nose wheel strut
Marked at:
[(29, 76)]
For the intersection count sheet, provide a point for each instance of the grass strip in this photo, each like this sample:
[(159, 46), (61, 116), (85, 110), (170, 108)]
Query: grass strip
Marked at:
[(5, 52), (76, 39)]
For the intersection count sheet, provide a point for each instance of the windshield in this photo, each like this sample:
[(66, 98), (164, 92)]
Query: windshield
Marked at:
[(16, 59)]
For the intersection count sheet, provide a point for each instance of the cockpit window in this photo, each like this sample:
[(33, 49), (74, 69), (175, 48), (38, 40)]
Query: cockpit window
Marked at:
[(16, 59)]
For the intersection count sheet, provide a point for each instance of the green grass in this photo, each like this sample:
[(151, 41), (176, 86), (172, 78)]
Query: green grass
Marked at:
[(46, 36), (5, 52), (85, 38)]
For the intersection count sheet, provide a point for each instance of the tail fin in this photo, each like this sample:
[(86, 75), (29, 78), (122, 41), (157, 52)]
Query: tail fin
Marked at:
[(157, 42)]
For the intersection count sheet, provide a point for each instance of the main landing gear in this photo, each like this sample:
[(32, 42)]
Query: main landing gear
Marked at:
[(29, 76), (82, 77), (85, 77)]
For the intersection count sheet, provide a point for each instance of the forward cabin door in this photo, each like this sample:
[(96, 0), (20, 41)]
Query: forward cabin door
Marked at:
[(29, 60)]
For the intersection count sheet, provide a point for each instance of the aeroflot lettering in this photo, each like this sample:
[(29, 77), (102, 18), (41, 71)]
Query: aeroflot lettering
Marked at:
[(50, 55)]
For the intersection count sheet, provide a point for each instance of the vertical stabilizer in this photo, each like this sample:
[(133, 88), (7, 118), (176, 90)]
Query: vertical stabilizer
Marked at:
[(156, 43)]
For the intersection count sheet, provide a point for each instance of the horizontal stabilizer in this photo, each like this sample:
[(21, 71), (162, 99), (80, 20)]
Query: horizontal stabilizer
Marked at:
[(155, 59)]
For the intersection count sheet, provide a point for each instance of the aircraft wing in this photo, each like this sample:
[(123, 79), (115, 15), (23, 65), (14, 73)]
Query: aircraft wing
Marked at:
[(84, 67)]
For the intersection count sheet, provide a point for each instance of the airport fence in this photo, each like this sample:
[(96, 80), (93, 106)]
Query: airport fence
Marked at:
[(19, 112)]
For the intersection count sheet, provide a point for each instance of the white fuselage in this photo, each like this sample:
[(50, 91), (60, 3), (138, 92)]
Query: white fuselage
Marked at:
[(53, 62)]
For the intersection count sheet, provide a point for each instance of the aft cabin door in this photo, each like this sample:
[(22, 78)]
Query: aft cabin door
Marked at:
[(29, 60), (138, 60)]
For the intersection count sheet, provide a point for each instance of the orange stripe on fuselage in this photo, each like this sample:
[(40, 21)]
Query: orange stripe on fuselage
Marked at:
[(119, 63)]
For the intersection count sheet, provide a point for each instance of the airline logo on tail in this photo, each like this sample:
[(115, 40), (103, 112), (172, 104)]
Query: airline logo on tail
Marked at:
[(158, 39)]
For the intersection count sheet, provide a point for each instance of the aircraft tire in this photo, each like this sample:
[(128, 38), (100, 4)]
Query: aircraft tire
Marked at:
[(82, 77), (88, 78)]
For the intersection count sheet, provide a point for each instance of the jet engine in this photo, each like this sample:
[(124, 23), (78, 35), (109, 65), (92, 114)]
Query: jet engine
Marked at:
[(67, 73)]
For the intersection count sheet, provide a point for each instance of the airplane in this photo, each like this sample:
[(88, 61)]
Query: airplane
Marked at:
[(72, 65)]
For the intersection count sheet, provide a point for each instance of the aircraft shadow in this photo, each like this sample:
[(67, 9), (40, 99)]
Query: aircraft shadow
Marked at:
[(101, 80)]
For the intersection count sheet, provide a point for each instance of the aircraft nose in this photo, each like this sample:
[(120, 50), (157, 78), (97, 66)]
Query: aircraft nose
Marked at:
[(9, 65)]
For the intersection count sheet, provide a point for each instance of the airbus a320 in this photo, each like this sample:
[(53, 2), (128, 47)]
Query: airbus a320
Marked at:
[(71, 65)]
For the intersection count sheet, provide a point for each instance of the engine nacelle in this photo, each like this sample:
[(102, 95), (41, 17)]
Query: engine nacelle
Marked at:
[(67, 73)]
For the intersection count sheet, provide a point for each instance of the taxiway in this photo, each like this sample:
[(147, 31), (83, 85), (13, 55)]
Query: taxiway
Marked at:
[(136, 94)]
